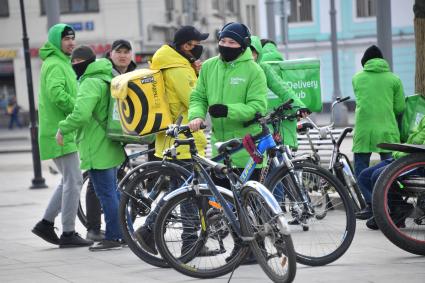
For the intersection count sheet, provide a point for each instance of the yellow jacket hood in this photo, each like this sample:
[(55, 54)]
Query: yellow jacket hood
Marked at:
[(167, 57)]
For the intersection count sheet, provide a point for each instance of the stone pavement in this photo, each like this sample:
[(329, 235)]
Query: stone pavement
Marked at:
[(26, 258)]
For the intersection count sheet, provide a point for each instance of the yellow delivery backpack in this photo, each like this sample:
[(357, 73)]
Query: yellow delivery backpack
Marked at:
[(140, 102)]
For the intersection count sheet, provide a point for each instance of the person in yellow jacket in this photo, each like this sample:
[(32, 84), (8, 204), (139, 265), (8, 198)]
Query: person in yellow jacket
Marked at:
[(179, 63)]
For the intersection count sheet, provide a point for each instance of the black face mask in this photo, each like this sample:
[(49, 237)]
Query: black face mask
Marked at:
[(80, 68), (197, 51), (228, 53)]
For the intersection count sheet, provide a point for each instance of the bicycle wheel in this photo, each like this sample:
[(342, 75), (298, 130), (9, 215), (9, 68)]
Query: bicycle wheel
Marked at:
[(193, 236), (398, 202), (81, 213), (136, 205), (273, 249), (320, 206)]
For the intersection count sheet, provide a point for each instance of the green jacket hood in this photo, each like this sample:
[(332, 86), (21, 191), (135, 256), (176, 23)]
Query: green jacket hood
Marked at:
[(53, 46), (101, 69), (377, 65), (55, 34), (167, 57), (49, 49), (270, 53), (256, 44)]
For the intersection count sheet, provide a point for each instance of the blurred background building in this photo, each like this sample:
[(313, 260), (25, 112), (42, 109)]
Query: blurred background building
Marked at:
[(150, 23)]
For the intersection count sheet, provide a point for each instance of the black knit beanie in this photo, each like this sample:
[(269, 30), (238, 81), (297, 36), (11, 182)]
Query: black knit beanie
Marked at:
[(83, 52), (67, 31), (236, 31), (371, 53)]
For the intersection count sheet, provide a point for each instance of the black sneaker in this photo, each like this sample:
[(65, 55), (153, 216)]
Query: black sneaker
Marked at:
[(145, 238), (365, 213), (106, 245), (95, 235), (73, 240), (46, 232), (371, 224)]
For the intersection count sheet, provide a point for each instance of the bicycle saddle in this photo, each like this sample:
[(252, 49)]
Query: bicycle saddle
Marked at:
[(409, 148), (228, 145)]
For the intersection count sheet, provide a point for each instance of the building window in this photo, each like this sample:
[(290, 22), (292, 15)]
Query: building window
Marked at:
[(301, 11), (366, 8), (251, 18), (74, 6), (215, 4), (191, 6), (169, 7), (4, 8), (231, 6)]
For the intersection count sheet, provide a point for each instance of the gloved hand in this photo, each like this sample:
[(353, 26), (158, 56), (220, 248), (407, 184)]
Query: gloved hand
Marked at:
[(303, 112), (218, 110)]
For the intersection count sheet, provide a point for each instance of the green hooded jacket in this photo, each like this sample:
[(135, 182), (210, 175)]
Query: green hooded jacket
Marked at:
[(270, 53), (379, 99), (278, 93), (90, 116), (416, 137), (241, 85), (58, 89)]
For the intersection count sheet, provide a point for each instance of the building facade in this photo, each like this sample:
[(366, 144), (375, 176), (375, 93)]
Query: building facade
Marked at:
[(310, 32), (146, 23)]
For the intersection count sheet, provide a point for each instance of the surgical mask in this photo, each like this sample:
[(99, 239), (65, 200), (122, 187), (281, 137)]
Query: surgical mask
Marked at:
[(228, 53), (197, 51), (80, 68)]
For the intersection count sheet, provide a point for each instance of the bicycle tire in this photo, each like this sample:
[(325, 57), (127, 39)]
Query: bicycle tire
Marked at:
[(133, 202), (327, 191), (82, 216), (410, 238), (273, 249), (187, 266)]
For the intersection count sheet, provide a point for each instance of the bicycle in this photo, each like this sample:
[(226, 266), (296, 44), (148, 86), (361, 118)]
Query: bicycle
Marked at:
[(339, 164), (252, 218), (138, 191), (308, 193), (398, 199)]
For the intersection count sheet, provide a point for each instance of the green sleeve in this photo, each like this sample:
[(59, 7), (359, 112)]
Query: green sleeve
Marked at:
[(417, 137), (256, 99), (88, 96), (279, 87), (399, 99), (198, 103), (55, 89)]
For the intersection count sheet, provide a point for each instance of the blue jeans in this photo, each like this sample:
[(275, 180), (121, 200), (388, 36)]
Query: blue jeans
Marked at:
[(362, 161), (368, 177), (105, 186)]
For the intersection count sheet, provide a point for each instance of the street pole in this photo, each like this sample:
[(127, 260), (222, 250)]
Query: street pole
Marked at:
[(384, 30), (38, 181), (140, 17), (340, 112), (284, 27), (271, 30), (52, 12)]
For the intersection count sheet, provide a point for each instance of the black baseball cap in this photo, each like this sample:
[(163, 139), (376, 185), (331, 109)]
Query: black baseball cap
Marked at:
[(121, 43), (188, 33)]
